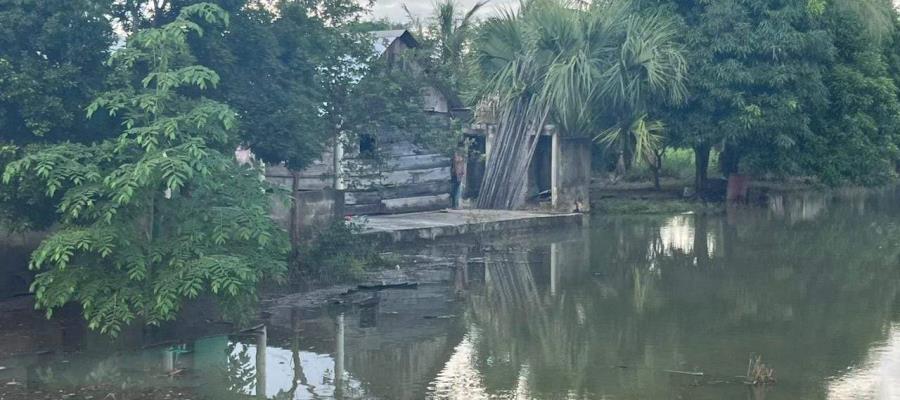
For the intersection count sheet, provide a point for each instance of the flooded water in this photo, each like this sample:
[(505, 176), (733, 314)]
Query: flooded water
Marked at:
[(641, 307)]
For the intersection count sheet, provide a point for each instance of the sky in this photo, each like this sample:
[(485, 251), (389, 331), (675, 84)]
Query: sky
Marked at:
[(392, 9)]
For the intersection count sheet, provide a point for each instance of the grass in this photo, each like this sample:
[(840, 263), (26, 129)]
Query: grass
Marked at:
[(622, 206), (677, 164)]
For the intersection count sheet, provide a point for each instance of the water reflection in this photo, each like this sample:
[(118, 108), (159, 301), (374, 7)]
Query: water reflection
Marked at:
[(878, 377), (659, 307)]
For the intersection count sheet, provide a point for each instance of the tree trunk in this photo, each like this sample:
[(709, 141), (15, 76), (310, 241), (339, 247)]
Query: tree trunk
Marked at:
[(656, 184), (656, 165), (729, 161), (295, 216), (701, 162), (620, 160)]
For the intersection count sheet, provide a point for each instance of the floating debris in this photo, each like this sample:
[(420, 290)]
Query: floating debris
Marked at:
[(685, 373), (758, 374)]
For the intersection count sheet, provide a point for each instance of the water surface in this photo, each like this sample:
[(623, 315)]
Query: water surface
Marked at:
[(638, 307)]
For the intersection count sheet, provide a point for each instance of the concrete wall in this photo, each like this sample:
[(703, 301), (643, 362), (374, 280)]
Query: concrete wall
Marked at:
[(572, 174), (313, 210)]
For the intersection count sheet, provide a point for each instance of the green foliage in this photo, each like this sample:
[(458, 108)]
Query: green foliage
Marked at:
[(292, 70), (591, 71), (161, 213), (858, 135), (791, 88), (756, 75), (339, 253), (677, 164), (51, 65), (595, 68), (447, 39)]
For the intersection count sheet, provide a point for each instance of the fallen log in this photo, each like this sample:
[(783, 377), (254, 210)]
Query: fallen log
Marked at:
[(404, 285)]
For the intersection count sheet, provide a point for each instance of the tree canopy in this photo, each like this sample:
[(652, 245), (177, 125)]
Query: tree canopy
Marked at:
[(162, 212)]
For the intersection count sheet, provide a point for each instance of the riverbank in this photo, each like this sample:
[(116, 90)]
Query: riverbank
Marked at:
[(677, 196)]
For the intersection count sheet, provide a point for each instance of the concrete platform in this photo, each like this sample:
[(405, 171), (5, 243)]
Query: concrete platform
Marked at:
[(447, 223)]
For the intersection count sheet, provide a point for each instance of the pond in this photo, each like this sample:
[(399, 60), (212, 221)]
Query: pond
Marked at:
[(633, 307)]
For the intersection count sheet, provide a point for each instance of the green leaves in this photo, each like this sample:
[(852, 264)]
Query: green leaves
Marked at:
[(162, 214)]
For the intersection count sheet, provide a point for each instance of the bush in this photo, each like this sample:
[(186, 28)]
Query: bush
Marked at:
[(339, 253)]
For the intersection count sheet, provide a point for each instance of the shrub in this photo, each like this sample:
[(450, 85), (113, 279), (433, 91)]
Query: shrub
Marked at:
[(339, 253)]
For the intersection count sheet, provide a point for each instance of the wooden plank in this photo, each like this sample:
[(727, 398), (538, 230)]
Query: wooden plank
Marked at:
[(419, 189), (313, 171), (416, 204), (399, 178), (387, 193), (357, 198), (426, 161)]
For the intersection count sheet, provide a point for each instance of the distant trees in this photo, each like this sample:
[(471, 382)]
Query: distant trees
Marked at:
[(51, 66), (788, 88), (858, 133)]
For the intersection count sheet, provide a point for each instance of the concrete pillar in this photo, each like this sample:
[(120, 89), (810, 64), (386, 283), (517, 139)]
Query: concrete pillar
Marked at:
[(339, 359), (489, 137), (261, 346), (571, 174), (168, 360), (338, 151), (555, 160)]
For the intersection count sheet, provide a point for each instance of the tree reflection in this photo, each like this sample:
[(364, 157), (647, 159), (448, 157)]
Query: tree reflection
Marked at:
[(809, 286)]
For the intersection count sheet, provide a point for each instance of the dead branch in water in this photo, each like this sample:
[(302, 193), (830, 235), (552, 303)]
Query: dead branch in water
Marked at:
[(758, 374)]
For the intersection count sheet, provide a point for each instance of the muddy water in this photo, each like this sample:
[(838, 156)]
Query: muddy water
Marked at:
[(643, 307)]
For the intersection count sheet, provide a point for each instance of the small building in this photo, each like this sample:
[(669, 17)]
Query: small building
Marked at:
[(406, 178), (411, 178), (559, 176)]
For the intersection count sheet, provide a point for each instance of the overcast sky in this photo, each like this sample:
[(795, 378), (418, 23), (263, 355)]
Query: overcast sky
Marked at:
[(392, 8)]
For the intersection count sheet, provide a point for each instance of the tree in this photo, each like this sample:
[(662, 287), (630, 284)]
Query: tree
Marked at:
[(447, 42), (756, 76), (585, 69), (162, 213), (51, 65), (292, 71), (859, 132)]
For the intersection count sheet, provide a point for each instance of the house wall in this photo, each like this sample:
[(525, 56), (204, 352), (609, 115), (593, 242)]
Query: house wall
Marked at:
[(411, 180)]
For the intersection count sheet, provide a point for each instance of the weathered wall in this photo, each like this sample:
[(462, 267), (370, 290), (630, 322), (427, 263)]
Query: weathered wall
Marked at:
[(313, 208), (410, 182), (319, 206), (411, 179), (15, 252), (573, 175)]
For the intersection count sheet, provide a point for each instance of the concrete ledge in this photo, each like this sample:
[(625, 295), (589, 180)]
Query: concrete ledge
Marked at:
[(437, 224)]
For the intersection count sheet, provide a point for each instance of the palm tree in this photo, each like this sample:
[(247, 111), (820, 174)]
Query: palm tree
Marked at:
[(453, 31), (585, 68), (450, 34)]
